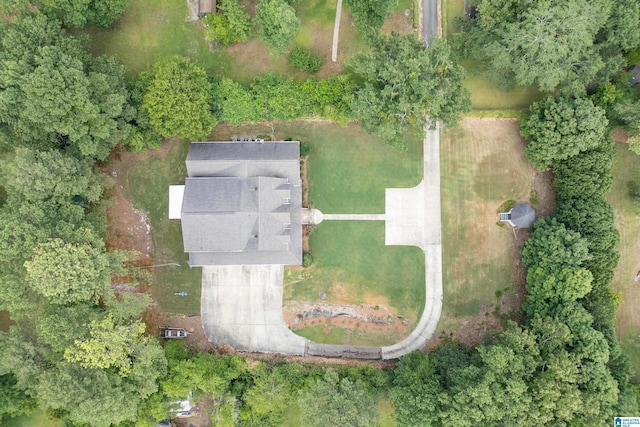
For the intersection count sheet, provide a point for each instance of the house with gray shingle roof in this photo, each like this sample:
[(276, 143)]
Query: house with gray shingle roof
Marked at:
[(241, 203)]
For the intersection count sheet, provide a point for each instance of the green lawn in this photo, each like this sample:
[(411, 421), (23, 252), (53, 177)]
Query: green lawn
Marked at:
[(150, 29), (348, 172), (153, 28), (348, 169), (487, 96), (146, 184), (626, 168), (482, 165), (37, 419), (451, 11), (352, 262)]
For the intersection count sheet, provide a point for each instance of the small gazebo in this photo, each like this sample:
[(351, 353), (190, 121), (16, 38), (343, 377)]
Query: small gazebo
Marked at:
[(520, 216)]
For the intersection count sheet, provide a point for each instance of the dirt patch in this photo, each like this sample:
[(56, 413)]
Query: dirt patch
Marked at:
[(375, 315), (194, 7), (619, 135), (199, 418), (399, 22), (128, 227), (196, 341), (279, 358)]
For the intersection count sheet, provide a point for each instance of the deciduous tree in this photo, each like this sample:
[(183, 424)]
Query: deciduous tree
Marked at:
[(559, 128), (67, 273), (177, 99), (403, 83), (336, 402), (278, 24), (369, 15), (230, 26)]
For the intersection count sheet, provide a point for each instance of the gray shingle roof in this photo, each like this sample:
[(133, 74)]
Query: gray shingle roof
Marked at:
[(242, 204), (522, 215)]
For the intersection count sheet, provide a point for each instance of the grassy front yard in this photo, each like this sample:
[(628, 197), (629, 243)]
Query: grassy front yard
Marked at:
[(352, 265), (150, 29), (482, 165), (627, 167), (348, 169), (348, 172)]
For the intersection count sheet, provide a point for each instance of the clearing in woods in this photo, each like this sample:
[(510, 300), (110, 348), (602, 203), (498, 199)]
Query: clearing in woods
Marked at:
[(626, 167), (482, 166)]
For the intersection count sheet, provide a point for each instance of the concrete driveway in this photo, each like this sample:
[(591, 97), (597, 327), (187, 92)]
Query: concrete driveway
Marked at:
[(242, 306)]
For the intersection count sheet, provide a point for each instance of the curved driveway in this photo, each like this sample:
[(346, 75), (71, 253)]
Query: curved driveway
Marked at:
[(242, 305)]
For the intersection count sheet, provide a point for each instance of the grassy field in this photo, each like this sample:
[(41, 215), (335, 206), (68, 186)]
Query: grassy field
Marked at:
[(626, 168), (482, 165), (146, 182), (451, 11), (150, 29), (37, 419)]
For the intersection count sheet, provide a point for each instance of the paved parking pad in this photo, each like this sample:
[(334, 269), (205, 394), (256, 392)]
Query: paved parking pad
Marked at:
[(242, 306)]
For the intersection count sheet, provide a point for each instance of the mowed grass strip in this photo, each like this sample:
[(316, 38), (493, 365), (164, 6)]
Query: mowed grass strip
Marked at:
[(627, 168), (482, 165), (146, 185)]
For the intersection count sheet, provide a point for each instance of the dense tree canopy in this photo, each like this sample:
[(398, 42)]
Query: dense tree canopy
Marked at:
[(559, 128), (571, 44), (67, 273), (585, 175), (232, 25), (53, 94), (79, 13), (404, 82), (177, 99), (336, 402), (369, 15)]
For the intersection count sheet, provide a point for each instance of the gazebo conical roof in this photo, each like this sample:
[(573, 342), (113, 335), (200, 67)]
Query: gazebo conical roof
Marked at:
[(522, 215)]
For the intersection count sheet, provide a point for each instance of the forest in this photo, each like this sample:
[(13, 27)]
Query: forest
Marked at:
[(77, 347)]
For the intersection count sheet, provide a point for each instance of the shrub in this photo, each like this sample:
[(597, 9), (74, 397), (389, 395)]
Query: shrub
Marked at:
[(506, 206), (634, 188), (307, 260), (231, 26), (534, 197), (303, 59), (305, 149)]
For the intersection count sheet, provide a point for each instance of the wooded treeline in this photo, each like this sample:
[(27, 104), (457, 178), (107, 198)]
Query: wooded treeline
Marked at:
[(79, 349)]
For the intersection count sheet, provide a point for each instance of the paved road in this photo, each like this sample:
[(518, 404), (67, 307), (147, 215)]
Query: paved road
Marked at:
[(429, 20)]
